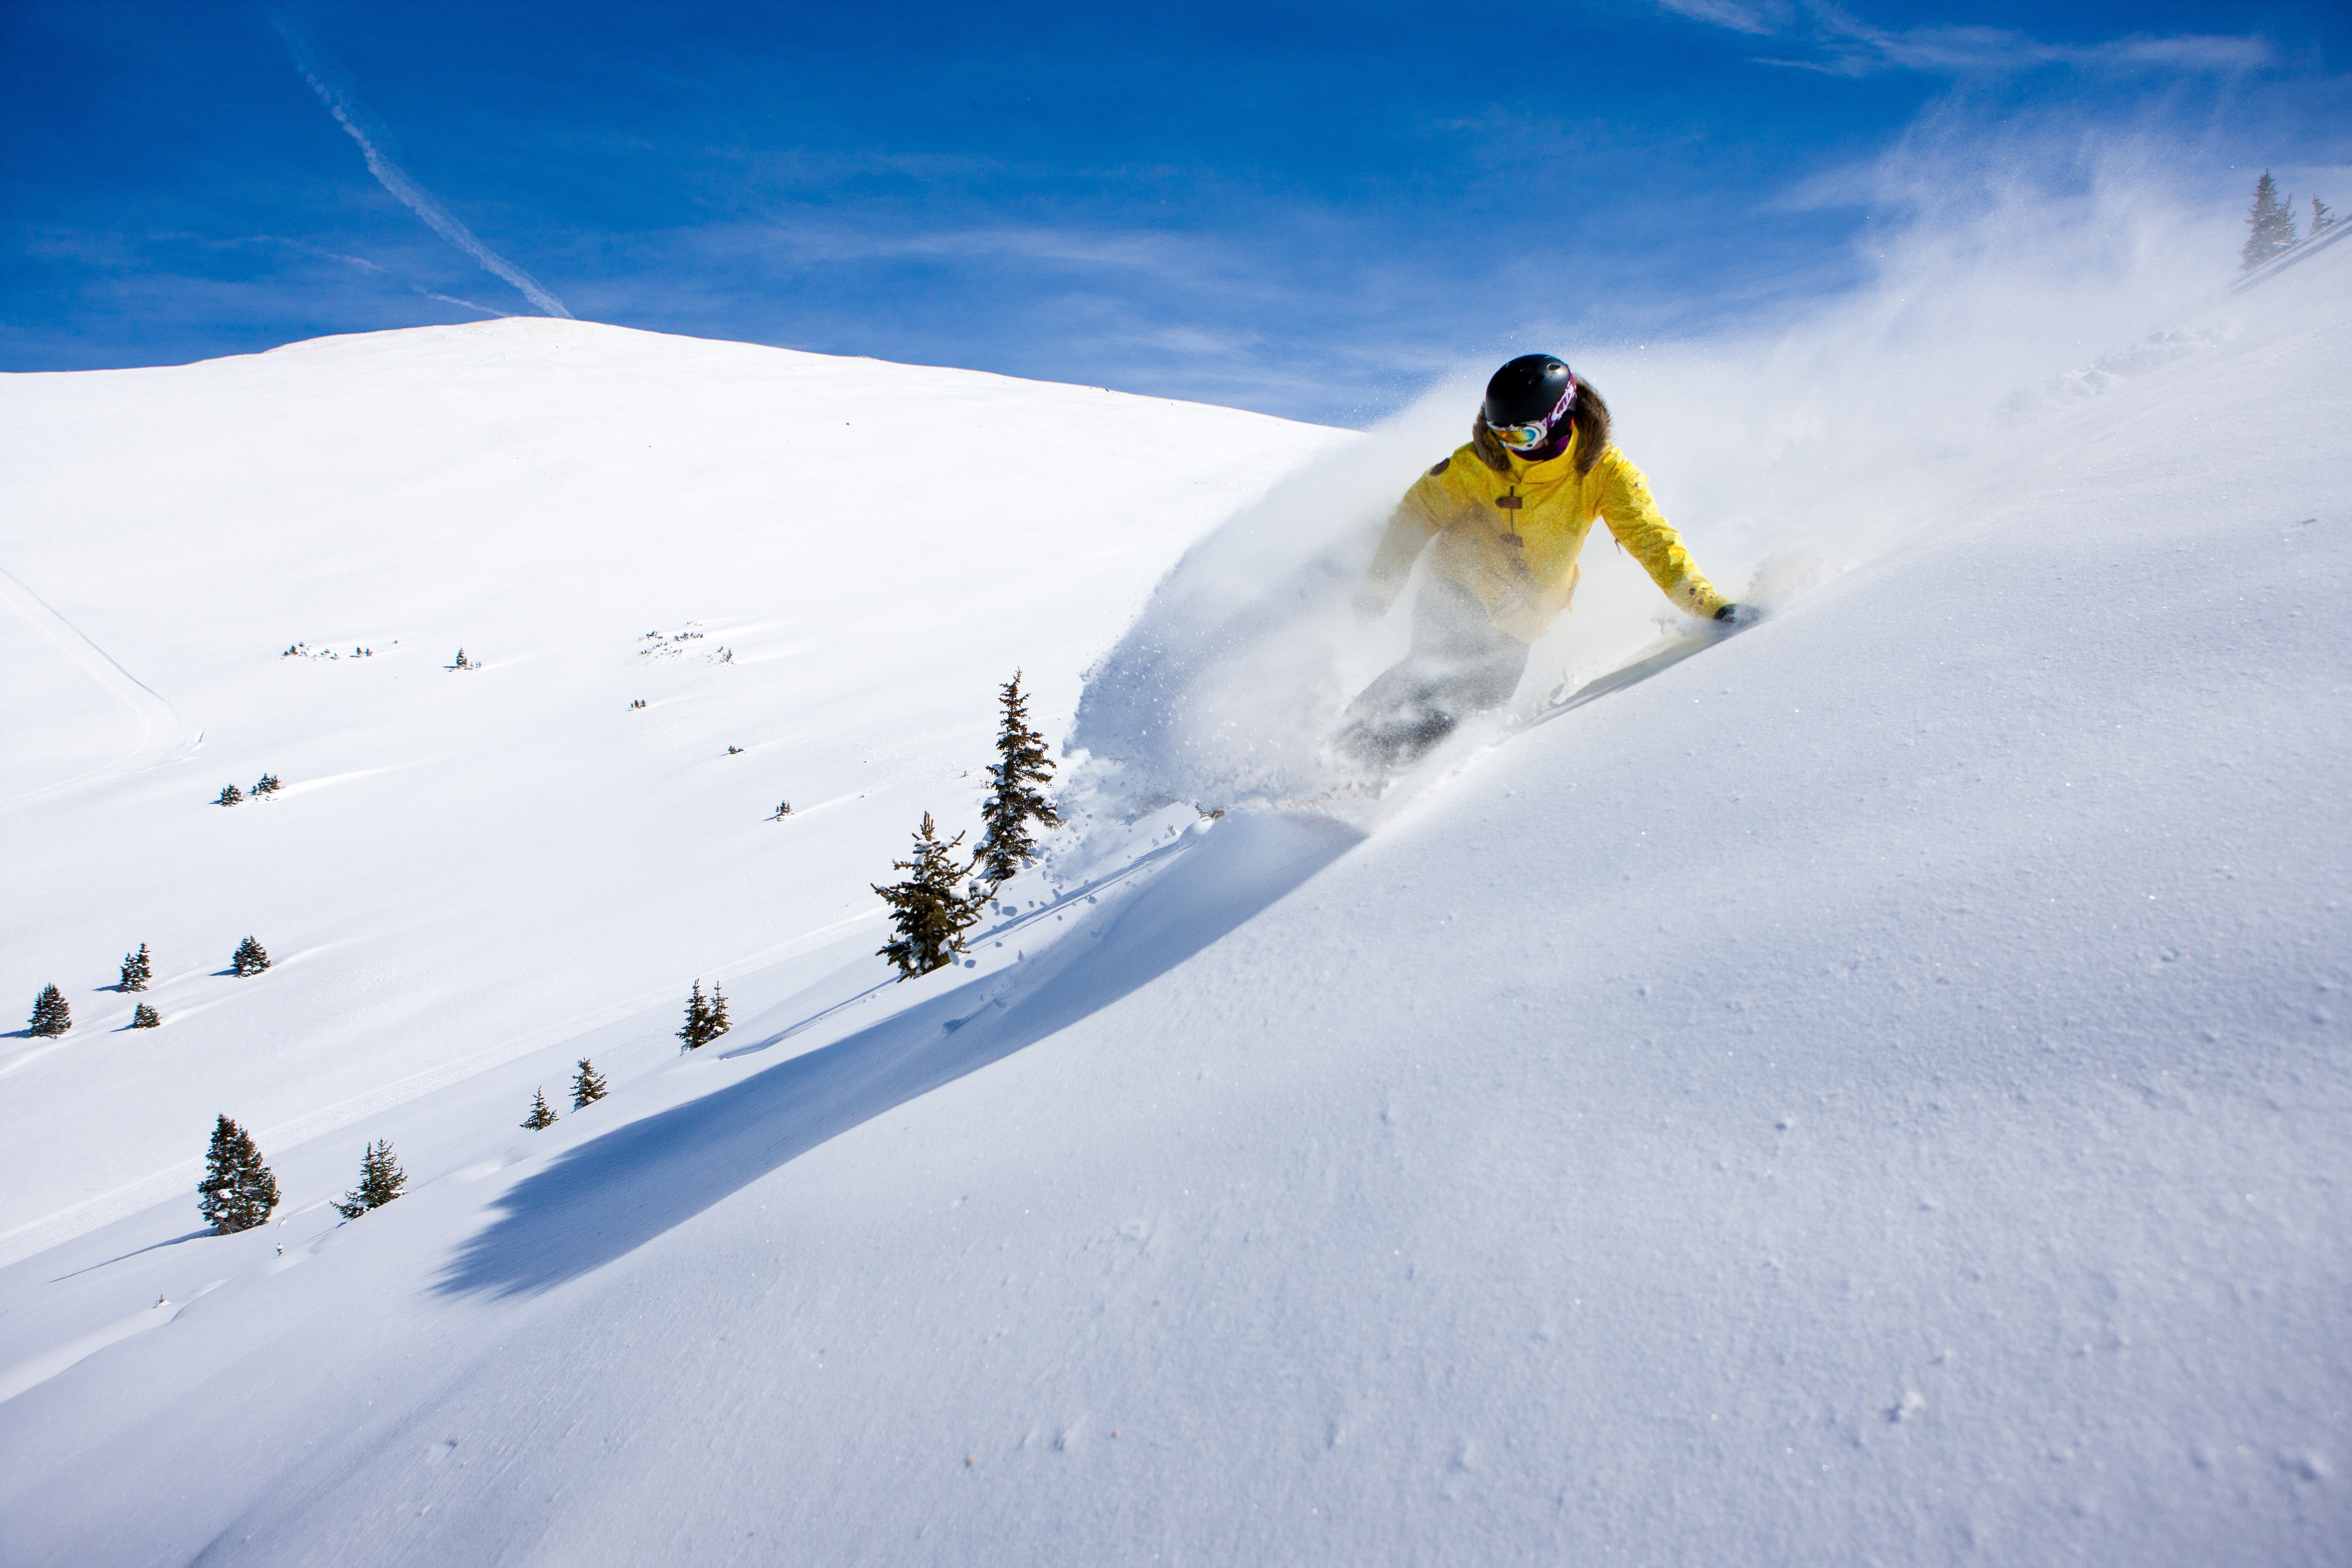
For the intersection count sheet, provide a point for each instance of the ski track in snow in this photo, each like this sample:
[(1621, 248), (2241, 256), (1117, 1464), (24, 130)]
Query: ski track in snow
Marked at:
[(156, 733)]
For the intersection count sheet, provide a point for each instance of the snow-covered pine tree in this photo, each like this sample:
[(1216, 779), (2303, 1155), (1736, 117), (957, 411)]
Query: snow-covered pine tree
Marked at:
[(250, 958), (542, 1114), (237, 1192), (2323, 217), (380, 1179), (229, 795), (50, 1013), (587, 1085), (1020, 771), (142, 1017), (706, 1019), (927, 910), (138, 969), (2270, 228), (266, 784)]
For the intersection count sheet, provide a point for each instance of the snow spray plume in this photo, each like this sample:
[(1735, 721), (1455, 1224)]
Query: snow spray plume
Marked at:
[(348, 112), (1786, 451)]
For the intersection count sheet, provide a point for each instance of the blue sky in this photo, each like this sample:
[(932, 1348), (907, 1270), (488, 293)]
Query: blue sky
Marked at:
[(1305, 209)]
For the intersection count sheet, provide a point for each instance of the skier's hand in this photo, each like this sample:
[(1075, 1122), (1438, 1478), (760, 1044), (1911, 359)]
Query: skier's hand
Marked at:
[(1369, 606), (1740, 615)]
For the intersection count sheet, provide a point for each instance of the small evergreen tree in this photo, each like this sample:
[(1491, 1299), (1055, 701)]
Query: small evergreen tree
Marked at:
[(1021, 768), (250, 958), (542, 1114), (50, 1013), (2270, 227), (229, 795), (587, 1085), (237, 1192), (266, 784), (461, 663), (137, 970), (380, 1179), (2323, 217), (142, 1017), (706, 1020), (929, 911)]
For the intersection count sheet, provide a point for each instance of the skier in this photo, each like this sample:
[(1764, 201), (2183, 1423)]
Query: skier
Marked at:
[(1509, 513)]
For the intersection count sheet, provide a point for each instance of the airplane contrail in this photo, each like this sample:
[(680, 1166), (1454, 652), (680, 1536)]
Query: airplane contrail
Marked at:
[(393, 178)]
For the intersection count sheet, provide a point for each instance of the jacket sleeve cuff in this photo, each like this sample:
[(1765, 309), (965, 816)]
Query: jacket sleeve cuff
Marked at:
[(1698, 596)]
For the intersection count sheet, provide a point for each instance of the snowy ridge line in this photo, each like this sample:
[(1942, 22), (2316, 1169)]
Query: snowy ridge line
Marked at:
[(165, 735), (2301, 252), (39, 1369), (1059, 904)]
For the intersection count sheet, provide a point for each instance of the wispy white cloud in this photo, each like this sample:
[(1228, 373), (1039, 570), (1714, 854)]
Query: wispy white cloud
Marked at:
[(348, 114), (1841, 44), (1739, 15)]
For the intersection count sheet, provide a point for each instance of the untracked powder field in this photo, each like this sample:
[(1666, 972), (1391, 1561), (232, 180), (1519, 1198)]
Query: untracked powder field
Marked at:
[(1871, 1086)]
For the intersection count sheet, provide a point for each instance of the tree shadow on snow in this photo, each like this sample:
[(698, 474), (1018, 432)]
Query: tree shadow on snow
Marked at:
[(613, 1195)]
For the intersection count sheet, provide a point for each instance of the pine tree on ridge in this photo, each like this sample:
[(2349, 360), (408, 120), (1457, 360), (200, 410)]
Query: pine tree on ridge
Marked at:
[(1020, 773), (237, 1192), (929, 911), (380, 1179), (587, 1085), (142, 1017), (137, 970), (542, 1114), (2270, 228), (706, 1019), (249, 959), (50, 1013)]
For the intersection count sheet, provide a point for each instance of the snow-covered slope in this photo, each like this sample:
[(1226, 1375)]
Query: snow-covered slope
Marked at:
[(468, 866), (1875, 1091)]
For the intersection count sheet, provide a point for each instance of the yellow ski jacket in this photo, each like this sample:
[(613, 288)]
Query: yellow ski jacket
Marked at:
[(1512, 538)]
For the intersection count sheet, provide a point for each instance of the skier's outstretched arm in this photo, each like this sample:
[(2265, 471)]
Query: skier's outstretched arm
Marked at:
[(1411, 528), (1634, 520)]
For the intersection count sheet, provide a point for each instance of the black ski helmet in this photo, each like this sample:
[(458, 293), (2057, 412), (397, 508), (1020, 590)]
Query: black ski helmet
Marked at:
[(1526, 390)]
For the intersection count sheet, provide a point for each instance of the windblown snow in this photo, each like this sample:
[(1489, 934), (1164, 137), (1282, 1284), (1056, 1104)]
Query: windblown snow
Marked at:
[(1876, 1089)]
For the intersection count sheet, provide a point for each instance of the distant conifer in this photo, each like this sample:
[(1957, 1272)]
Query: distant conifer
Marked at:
[(229, 795), (137, 970), (706, 1019), (250, 958), (266, 784), (929, 911), (2323, 217), (1020, 771), (50, 1013), (380, 1179), (2270, 227), (142, 1017), (587, 1085), (237, 1192), (542, 1114)]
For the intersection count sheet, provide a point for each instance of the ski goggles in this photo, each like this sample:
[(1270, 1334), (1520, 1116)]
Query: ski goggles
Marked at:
[(1528, 437)]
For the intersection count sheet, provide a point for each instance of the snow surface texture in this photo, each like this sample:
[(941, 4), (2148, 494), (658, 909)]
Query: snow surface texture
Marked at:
[(467, 867), (1875, 1090)]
